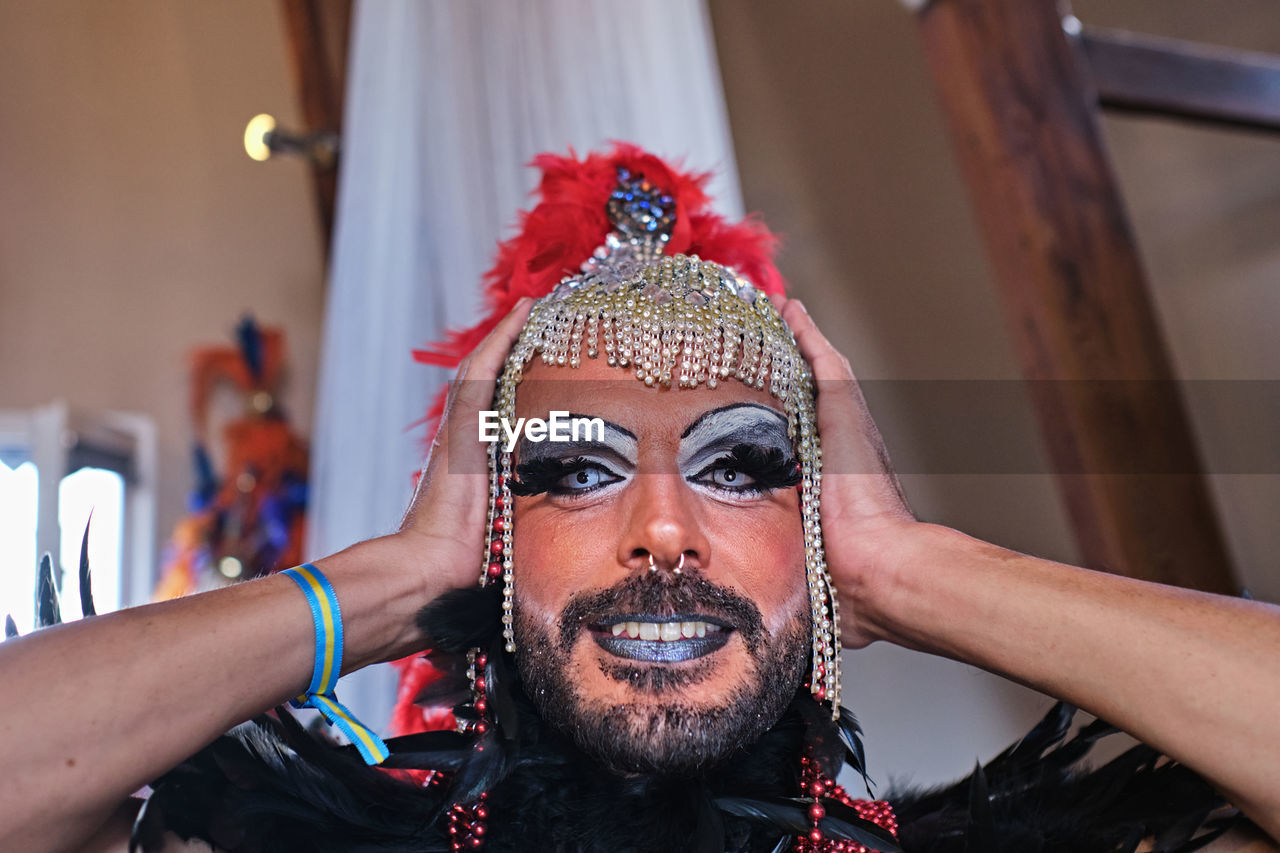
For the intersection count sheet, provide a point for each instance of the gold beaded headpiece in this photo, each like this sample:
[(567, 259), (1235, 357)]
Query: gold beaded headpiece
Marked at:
[(676, 321)]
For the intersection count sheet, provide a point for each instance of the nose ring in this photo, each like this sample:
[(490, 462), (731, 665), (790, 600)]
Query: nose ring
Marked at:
[(675, 570)]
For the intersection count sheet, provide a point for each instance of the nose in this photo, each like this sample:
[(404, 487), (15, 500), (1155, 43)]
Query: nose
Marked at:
[(663, 529)]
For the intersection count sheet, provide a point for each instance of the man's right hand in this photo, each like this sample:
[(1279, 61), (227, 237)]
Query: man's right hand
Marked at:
[(445, 522)]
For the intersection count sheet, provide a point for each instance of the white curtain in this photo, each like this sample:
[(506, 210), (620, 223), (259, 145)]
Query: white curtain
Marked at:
[(447, 100)]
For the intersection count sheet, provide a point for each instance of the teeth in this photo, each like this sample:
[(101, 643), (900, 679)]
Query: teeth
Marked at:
[(662, 631)]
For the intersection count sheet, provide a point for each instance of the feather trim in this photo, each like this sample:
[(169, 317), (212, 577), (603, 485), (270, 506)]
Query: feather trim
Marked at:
[(48, 602), (86, 581), (271, 785), (1038, 795)]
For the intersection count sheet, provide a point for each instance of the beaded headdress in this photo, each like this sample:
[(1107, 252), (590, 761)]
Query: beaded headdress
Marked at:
[(672, 318)]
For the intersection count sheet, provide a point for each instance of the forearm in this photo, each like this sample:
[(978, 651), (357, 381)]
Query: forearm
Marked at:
[(1194, 675), (99, 708)]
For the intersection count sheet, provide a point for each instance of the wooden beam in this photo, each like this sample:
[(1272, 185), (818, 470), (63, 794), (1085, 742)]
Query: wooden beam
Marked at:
[(318, 33), (1021, 118), (1161, 76)]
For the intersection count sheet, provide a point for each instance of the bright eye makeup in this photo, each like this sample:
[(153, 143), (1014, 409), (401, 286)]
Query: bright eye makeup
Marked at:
[(570, 477), (736, 452), (751, 469), (740, 450), (575, 469)]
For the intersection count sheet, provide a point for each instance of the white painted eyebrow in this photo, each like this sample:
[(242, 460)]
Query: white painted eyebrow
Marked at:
[(618, 440), (710, 413)]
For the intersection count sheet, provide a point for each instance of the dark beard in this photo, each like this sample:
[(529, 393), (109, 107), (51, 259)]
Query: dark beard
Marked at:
[(672, 739)]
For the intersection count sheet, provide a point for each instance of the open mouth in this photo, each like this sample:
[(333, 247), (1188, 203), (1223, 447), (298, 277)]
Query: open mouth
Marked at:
[(667, 639)]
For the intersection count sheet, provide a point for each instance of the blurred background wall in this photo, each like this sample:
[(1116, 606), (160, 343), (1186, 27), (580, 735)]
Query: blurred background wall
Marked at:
[(133, 227)]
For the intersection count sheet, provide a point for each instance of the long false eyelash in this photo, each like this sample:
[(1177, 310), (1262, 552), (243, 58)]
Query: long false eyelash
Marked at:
[(541, 475), (770, 467)]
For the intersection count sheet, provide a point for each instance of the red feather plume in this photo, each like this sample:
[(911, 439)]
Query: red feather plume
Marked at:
[(569, 223)]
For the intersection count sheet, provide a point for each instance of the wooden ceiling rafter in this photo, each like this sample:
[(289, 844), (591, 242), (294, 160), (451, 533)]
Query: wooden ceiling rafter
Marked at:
[(1180, 79), (1020, 107), (317, 35)]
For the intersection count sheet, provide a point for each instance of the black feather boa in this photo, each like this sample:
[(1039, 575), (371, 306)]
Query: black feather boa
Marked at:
[(270, 785), (1035, 797)]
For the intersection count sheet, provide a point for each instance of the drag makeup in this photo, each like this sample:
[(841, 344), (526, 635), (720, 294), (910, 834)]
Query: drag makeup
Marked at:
[(739, 451), (736, 451), (661, 611)]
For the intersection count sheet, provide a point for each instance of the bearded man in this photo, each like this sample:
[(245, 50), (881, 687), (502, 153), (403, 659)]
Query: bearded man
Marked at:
[(650, 660)]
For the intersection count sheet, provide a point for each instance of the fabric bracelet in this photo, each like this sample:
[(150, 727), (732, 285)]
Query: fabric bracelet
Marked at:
[(328, 664)]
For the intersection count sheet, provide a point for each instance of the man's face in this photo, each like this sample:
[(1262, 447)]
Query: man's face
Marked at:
[(657, 671)]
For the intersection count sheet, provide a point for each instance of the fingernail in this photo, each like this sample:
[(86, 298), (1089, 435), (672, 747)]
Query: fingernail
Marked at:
[(803, 309)]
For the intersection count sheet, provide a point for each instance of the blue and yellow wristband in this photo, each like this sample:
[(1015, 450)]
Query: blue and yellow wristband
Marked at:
[(328, 664)]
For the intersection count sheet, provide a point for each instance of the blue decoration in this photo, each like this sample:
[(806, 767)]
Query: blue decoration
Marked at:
[(206, 481), (250, 338), (636, 207)]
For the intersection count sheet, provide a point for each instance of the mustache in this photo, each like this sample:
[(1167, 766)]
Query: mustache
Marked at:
[(662, 594)]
